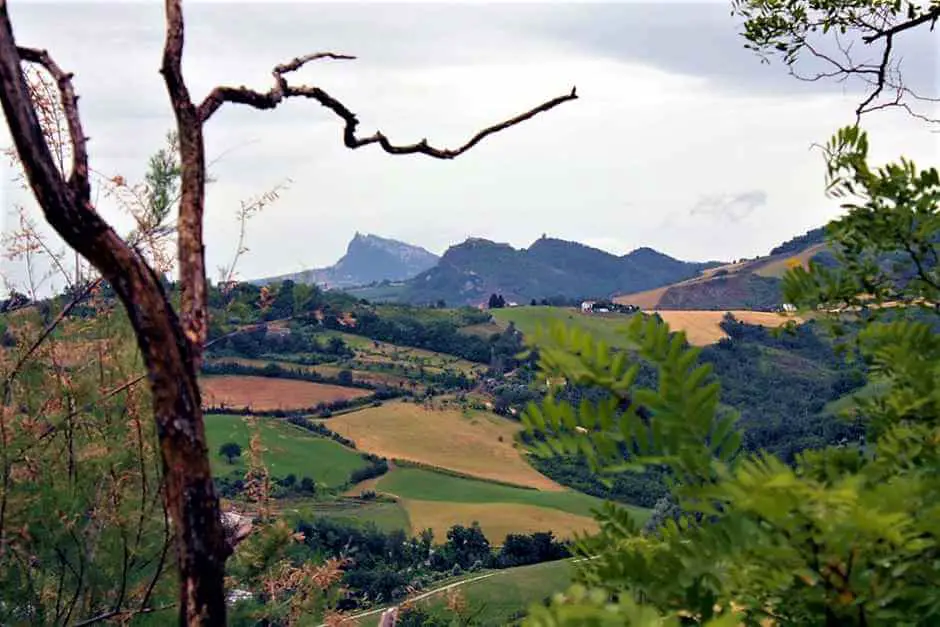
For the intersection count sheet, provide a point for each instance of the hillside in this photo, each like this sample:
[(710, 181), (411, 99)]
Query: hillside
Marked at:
[(368, 259), (550, 268), (748, 284)]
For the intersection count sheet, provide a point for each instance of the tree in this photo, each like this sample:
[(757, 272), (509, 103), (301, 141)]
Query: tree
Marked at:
[(826, 34), (171, 341), (230, 450)]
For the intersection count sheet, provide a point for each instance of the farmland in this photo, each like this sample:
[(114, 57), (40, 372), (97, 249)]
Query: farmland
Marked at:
[(266, 393), (500, 596), (384, 514), (472, 442), (373, 351), (779, 264), (607, 327), (496, 519), (288, 449), (424, 485), (326, 370), (702, 327)]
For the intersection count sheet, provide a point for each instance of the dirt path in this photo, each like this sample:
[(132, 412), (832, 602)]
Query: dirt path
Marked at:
[(444, 588)]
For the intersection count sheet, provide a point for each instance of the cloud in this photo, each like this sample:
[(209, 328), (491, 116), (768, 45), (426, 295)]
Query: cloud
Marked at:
[(731, 207), (673, 113)]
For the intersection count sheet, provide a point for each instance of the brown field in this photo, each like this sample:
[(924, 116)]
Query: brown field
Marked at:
[(496, 519), (781, 263), (644, 300), (264, 393), (443, 438), (701, 327)]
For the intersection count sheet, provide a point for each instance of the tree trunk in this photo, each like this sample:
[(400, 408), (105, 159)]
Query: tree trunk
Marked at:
[(190, 494)]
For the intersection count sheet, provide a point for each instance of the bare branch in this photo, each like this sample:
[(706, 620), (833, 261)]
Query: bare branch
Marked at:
[(930, 16), (281, 90), (78, 179), (220, 95), (880, 81)]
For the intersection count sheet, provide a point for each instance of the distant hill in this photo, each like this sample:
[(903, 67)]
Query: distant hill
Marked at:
[(469, 272), (368, 259), (747, 284)]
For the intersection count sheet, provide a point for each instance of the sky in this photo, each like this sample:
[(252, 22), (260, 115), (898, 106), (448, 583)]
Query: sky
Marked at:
[(681, 139)]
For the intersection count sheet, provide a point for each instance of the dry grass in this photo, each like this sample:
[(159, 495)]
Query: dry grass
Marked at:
[(779, 264), (496, 519), (443, 438), (264, 393), (702, 327), (644, 300)]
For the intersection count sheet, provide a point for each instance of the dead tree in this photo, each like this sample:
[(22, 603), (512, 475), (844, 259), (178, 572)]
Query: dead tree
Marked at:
[(171, 343)]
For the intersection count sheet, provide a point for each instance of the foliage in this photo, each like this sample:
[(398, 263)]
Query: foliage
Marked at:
[(550, 268), (381, 567), (81, 506), (847, 535), (230, 450)]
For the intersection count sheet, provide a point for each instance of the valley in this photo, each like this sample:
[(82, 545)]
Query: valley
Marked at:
[(377, 422)]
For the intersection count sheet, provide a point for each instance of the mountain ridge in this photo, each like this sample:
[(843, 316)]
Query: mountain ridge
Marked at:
[(369, 258), (470, 271)]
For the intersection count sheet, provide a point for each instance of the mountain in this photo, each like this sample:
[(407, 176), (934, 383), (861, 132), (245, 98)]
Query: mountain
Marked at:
[(745, 284), (368, 259), (469, 272)]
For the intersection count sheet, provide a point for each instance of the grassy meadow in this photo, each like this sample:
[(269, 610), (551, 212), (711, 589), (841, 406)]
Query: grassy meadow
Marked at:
[(289, 449), (607, 327), (500, 597)]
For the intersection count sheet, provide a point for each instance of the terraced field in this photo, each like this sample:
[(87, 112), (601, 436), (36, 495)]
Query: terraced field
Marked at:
[(476, 443), (374, 351), (267, 393), (327, 370)]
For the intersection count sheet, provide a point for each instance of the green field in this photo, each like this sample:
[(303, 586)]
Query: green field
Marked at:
[(387, 516), (504, 595), (607, 327), (426, 485), (289, 450), (847, 403)]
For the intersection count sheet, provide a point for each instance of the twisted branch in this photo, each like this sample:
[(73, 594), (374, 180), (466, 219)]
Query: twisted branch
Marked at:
[(281, 90)]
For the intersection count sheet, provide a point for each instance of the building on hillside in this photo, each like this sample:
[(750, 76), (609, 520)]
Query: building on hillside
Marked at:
[(592, 306), (789, 307)]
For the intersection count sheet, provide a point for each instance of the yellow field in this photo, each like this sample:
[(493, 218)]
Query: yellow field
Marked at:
[(702, 327), (496, 519), (442, 438)]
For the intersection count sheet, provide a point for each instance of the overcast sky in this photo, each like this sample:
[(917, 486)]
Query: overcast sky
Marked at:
[(682, 140)]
